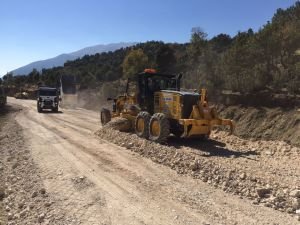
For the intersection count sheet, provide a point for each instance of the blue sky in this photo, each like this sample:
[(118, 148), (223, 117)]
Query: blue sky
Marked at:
[(32, 30)]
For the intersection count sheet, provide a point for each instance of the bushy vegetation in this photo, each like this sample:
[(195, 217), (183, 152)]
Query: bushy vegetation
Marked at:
[(248, 62)]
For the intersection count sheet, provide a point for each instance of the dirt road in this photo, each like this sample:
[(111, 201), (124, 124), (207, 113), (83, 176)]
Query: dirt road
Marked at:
[(96, 182)]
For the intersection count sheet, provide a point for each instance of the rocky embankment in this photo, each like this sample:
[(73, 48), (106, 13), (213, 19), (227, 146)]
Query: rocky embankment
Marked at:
[(265, 123)]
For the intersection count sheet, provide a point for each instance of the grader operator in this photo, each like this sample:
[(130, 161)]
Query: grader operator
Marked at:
[(158, 108)]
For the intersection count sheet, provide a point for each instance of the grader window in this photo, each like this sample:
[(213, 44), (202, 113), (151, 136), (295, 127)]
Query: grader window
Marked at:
[(161, 83), (148, 84)]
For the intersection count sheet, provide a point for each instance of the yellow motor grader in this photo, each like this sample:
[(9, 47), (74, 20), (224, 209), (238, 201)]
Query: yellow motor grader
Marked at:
[(157, 108)]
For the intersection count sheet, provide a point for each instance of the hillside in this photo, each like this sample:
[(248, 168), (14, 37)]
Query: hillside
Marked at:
[(61, 59), (249, 62)]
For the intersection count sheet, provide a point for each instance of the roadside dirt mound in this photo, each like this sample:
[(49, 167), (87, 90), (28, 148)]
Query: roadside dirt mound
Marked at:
[(23, 197), (26, 92), (265, 123), (245, 168)]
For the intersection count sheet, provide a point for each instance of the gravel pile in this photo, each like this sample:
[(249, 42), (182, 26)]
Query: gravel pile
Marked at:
[(255, 187)]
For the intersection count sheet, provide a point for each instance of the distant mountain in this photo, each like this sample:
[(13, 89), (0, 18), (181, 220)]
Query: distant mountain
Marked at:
[(61, 59)]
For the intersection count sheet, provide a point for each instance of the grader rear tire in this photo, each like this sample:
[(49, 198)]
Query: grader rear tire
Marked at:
[(159, 128), (105, 116), (142, 124)]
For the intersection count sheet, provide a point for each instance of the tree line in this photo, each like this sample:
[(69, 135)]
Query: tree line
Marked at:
[(268, 59)]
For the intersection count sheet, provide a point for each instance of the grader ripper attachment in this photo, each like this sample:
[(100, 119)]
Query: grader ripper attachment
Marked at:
[(158, 108)]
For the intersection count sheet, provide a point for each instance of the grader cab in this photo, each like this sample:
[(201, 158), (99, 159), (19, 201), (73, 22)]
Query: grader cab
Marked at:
[(157, 108)]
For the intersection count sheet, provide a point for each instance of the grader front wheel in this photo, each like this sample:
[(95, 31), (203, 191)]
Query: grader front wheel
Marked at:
[(141, 124), (159, 128)]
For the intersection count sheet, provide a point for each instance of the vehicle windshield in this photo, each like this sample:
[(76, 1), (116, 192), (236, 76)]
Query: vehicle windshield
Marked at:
[(161, 83), (47, 93)]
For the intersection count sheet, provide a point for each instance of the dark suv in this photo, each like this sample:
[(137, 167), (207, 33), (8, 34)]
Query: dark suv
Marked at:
[(47, 98)]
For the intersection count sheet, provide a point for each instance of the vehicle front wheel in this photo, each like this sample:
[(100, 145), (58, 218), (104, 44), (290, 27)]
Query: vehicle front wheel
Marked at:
[(105, 116), (39, 109), (142, 124), (55, 109)]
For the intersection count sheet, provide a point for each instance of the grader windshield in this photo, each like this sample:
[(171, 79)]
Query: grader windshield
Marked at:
[(157, 83)]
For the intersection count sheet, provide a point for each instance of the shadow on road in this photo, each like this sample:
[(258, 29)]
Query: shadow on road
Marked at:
[(51, 112), (6, 109), (210, 147)]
